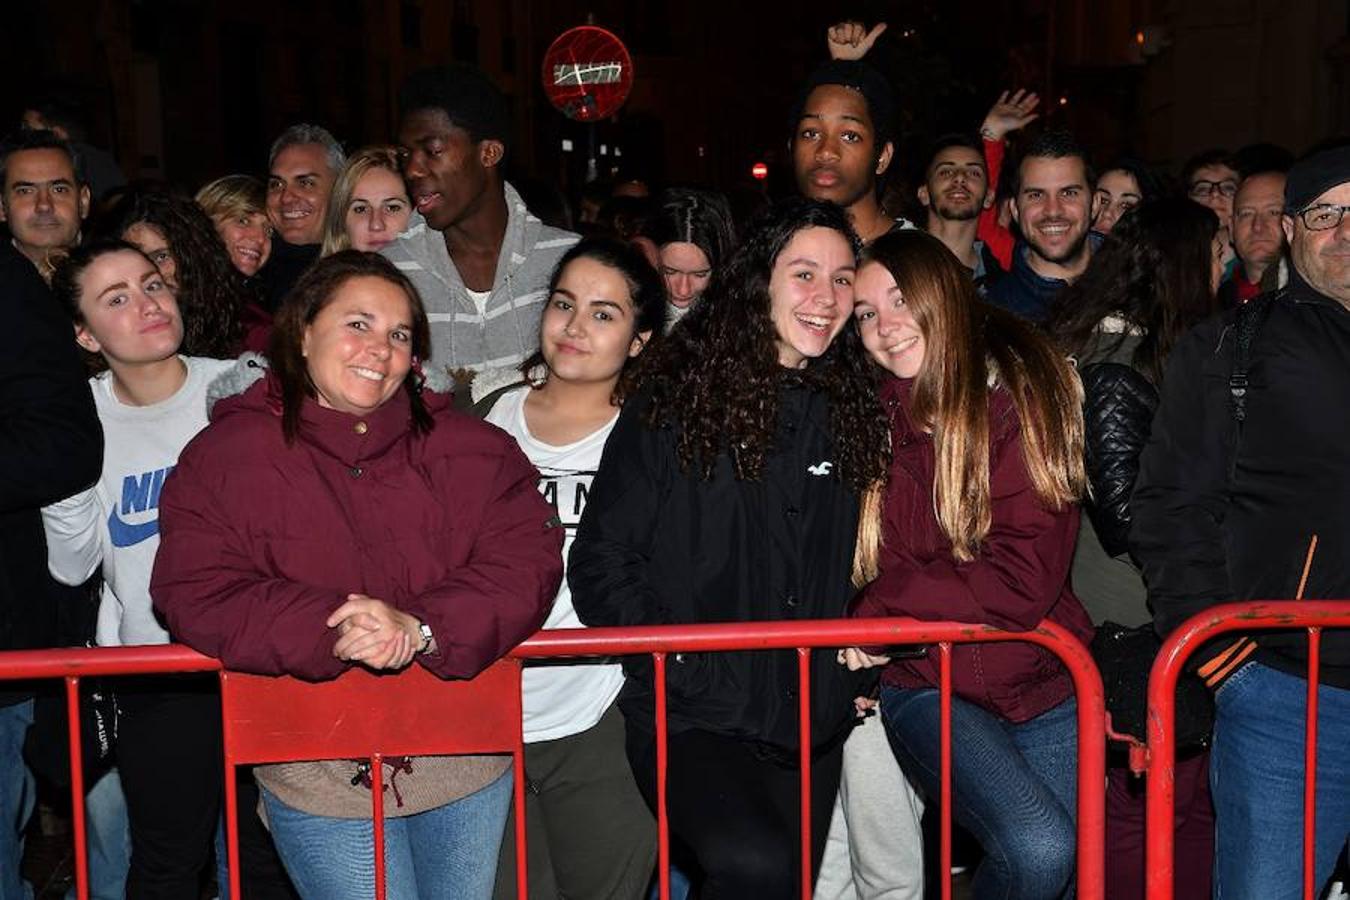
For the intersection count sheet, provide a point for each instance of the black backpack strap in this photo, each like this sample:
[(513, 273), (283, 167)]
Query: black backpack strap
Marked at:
[(1250, 317)]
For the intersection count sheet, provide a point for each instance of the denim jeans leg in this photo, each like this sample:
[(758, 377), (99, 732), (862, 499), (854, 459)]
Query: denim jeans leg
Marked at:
[(450, 851), (1000, 795), (454, 847), (109, 839), (333, 859), (1257, 777), (17, 798)]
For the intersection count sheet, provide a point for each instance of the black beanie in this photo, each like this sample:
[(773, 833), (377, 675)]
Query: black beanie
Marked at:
[(864, 79), (1315, 175)]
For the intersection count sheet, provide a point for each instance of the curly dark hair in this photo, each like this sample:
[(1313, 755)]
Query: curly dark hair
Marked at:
[(211, 292), (718, 379), (317, 288), (1153, 270)]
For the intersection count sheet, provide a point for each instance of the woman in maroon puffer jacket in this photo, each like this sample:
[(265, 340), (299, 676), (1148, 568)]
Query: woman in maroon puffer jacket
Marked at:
[(337, 513), (977, 523)]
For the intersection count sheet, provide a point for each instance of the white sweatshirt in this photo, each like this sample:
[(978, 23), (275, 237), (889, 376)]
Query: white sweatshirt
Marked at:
[(115, 523), (561, 700)]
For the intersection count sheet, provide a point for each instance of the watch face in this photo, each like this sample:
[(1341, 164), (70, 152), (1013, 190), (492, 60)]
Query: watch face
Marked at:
[(425, 630)]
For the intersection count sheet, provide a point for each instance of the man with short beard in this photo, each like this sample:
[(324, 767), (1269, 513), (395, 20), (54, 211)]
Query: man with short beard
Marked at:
[(1258, 239), (301, 166), (1052, 201), (954, 191)]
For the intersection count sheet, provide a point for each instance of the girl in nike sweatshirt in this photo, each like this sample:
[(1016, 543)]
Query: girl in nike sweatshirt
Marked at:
[(151, 401)]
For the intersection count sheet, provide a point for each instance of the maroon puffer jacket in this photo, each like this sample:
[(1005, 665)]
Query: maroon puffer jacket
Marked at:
[(261, 541), (1019, 577)]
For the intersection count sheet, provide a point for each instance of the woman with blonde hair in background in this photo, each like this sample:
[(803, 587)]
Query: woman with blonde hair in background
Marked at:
[(369, 203)]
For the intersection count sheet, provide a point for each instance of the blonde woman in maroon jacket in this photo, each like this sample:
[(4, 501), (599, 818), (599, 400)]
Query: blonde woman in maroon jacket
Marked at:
[(977, 523), (338, 513)]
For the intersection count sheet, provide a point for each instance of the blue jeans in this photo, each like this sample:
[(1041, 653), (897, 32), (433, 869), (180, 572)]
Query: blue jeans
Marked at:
[(1256, 776), (17, 798), (447, 852), (109, 839), (1014, 786)]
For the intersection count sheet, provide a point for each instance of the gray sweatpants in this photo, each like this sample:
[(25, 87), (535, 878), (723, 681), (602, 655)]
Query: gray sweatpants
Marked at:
[(875, 847)]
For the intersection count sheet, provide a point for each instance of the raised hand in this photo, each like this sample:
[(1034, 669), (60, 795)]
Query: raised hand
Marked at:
[(1009, 113), (851, 40)]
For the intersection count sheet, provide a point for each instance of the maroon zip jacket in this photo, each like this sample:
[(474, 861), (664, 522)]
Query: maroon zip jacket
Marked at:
[(260, 541), (1019, 577)]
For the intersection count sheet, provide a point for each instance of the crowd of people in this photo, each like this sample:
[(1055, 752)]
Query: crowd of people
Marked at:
[(372, 410)]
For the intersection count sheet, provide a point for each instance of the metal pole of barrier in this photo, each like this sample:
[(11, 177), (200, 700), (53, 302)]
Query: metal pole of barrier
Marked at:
[(377, 805), (518, 798), (1091, 825), (1310, 766), (77, 812), (945, 765), (662, 822), (804, 739)]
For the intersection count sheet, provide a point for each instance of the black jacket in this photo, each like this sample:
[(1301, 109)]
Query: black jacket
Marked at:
[(1118, 407), (1205, 539), (51, 446), (658, 546)]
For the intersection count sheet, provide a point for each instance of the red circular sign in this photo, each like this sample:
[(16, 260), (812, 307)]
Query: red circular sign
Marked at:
[(587, 73)]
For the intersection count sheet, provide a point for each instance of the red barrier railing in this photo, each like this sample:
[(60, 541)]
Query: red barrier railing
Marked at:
[(1312, 615), (275, 719)]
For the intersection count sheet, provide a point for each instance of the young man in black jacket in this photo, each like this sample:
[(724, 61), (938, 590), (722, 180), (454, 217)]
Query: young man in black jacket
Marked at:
[(1226, 510), (51, 446)]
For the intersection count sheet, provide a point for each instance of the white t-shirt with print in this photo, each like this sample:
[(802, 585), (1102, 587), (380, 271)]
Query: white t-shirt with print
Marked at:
[(561, 700)]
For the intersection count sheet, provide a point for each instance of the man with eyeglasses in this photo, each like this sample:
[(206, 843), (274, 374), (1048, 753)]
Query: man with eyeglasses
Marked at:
[(1243, 493)]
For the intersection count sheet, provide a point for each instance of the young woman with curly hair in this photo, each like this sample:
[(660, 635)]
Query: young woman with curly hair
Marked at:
[(976, 524), (182, 242), (729, 491)]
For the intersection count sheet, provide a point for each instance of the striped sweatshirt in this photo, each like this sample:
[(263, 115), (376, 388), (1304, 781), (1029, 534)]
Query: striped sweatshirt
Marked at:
[(491, 341)]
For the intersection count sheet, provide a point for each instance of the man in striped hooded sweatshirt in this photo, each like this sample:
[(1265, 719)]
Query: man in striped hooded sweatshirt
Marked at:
[(477, 256)]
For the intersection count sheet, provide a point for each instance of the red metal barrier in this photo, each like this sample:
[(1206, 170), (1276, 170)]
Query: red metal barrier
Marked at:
[(1176, 650), (271, 719)]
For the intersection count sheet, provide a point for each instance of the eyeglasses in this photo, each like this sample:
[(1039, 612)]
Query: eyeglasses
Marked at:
[(1323, 216), (1203, 188)]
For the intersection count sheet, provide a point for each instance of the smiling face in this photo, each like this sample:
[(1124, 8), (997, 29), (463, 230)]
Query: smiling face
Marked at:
[(834, 151), (686, 271), (129, 312), (151, 241), (810, 293), (1117, 193), (358, 349), (378, 211), (586, 332), (297, 192), (1323, 257), (248, 239), (448, 175), (1051, 207), (888, 327)]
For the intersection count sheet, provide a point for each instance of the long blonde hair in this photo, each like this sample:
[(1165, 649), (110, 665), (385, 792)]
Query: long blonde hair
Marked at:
[(335, 235), (971, 348)]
